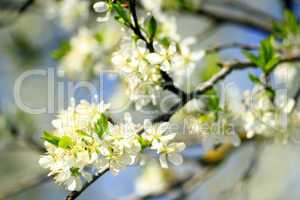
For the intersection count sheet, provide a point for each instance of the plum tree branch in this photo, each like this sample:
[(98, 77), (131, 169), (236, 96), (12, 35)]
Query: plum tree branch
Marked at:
[(263, 24), (73, 195), (226, 69)]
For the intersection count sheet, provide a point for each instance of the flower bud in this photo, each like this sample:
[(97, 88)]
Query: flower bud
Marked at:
[(100, 7)]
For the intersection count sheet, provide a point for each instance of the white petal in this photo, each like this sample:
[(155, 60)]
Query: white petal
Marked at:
[(105, 18), (163, 161), (289, 106), (154, 58), (197, 55), (175, 158), (163, 127), (180, 146), (147, 125), (168, 137), (46, 161)]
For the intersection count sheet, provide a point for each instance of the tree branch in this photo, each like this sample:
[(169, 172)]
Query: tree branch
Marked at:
[(287, 4), (262, 25), (227, 68), (231, 46), (73, 195)]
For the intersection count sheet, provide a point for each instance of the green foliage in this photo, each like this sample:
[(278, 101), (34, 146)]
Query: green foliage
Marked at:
[(289, 26), (255, 79), (123, 15), (24, 50), (213, 100), (144, 143), (63, 49), (52, 139), (211, 67), (269, 90), (151, 27), (75, 171), (101, 125), (267, 59), (99, 37), (65, 142)]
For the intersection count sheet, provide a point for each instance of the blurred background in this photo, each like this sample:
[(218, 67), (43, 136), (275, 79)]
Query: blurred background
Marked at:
[(30, 31)]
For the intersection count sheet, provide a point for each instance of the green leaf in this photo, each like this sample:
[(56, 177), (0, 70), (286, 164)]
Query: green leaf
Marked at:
[(75, 171), (65, 142), (213, 100), (101, 125), (210, 67), (52, 139), (270, 92), (251, 57), (289, 26), (165, 41), (144, 143), (122, 13), (255, 79), (99, 37), (59, 53), (152, 27), (271, 65), (267, 58), (82, 133)]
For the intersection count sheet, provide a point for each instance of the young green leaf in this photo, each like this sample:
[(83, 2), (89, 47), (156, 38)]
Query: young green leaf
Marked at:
[(267, 58), (213, 100), (122, 13), (63, 49), (65, 142), (144, 143), (255, 79), (152, 27), (52, 139), (75, 171), (101, 125), (251, 57)]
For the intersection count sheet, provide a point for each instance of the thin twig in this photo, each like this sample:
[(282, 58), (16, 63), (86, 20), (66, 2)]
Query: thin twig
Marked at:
[(231, 46), (73, 195), (227, 68), (224, 16)]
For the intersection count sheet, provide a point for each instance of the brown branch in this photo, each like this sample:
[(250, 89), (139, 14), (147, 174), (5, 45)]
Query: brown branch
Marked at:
[(287, 4), (73, 195), (223, 16), (231, 46), (227, 68)]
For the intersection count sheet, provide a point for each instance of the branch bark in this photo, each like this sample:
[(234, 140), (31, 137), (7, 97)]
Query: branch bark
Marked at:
[(73, 195), (222, 16)]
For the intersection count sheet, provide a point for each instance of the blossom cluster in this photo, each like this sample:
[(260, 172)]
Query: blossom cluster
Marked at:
[(71, 13), (265, 115), (141, 68), (85, 141), (88, 51)]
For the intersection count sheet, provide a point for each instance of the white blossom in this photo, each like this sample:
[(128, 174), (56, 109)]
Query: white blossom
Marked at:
[(161, 141), (153, 180), (143, 78), (264, 117), (84, 50), (74, 128), (120, 147), (71, 13)]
